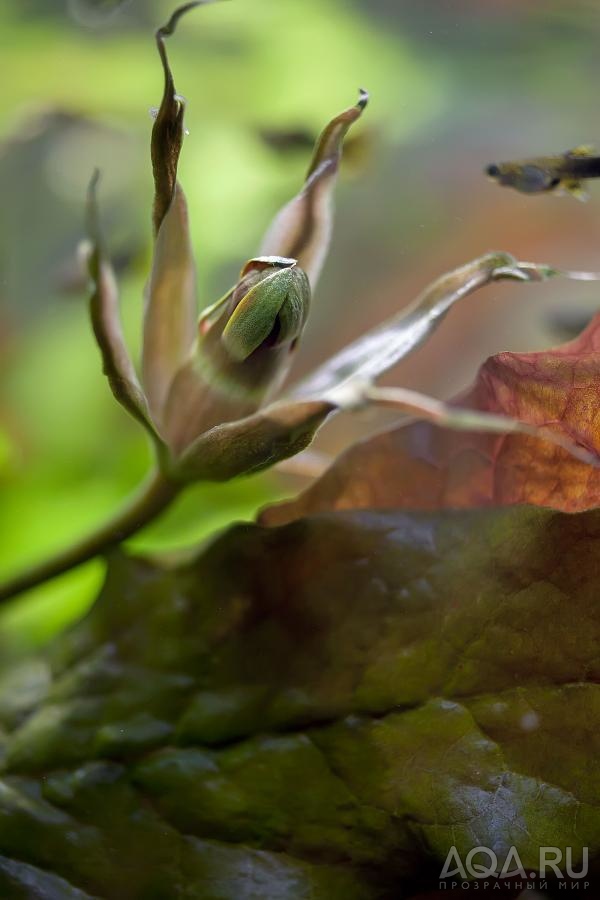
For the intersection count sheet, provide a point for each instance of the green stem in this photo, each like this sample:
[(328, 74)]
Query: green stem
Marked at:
[(153, 497)]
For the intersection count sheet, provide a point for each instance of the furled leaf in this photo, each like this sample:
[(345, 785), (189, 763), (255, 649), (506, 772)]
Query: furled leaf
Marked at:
[(245, 346), (377, 351), (171, 308), (106, 322), (167, 132), (321, 710), (420, 466), (302, 229), (170, 313)]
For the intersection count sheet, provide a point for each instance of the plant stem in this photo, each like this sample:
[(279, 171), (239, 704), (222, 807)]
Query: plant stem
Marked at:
[(153, 497)]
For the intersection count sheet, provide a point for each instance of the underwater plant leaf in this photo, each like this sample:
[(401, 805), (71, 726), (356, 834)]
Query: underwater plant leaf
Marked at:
[(246, 343), (279, 431), (106, 322), (194, 405), (171, 306), (253, 443), (420, 466), (168, 130), (345, 383), (302, 229), (378, 350), (461, 418), (322, 709)]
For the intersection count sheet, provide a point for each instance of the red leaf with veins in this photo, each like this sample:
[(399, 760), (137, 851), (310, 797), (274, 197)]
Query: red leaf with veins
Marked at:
[(421, 466)]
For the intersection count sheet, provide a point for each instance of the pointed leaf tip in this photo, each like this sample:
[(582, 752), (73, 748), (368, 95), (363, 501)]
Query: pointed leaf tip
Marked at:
[(302, 229), (167, 131), (169, 27)]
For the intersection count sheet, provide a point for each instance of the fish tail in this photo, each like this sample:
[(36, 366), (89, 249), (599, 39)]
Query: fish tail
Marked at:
[(579, 167)]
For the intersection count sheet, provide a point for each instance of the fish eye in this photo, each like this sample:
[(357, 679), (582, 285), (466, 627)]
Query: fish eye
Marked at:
[(492, 170)]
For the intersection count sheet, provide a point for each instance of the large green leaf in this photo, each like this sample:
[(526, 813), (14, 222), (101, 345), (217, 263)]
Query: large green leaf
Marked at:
[(319, 710)]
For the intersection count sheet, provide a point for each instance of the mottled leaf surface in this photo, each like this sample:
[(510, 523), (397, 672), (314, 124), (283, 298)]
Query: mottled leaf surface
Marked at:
[(313, 711)]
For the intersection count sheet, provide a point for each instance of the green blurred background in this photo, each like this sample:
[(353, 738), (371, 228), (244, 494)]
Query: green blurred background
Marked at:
[(455, 84)]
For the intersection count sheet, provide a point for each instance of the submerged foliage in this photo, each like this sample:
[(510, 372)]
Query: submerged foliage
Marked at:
[(421, 466), (323, 708), (205, 388), (324, 704)]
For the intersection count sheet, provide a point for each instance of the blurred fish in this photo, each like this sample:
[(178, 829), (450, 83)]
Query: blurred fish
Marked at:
[(289, 141), (284, 141), (544, 174)]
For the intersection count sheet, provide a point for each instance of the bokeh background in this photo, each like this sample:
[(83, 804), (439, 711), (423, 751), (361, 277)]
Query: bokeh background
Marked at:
[(455, 84)]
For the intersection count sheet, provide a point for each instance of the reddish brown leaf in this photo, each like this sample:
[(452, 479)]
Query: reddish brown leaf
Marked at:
[(421, 466)]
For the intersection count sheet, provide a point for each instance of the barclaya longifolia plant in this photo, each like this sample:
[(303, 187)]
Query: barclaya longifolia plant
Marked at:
[(207, 395)]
